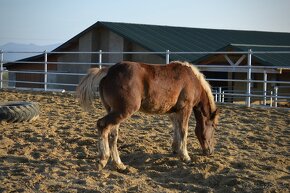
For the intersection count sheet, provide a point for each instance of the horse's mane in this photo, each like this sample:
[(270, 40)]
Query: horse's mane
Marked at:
[(206, 86)]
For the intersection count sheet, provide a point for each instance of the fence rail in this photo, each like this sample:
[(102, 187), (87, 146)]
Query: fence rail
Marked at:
[(267, 94)]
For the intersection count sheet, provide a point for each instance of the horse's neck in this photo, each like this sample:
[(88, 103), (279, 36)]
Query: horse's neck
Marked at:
[(204, 105)]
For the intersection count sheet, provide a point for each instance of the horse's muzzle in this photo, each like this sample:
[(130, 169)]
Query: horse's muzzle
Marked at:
[(208, 151)]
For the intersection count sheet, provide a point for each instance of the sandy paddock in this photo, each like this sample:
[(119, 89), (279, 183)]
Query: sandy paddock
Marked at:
[(57, 152)]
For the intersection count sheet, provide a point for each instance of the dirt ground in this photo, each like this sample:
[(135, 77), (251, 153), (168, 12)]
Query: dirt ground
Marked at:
[(58, 151)]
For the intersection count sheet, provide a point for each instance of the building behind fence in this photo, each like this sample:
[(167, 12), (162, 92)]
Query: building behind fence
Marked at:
[(248, 66)]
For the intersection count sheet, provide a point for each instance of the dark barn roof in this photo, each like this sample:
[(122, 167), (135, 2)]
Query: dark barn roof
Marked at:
[(178, 39)]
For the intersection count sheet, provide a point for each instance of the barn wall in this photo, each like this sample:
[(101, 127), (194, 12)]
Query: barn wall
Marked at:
[(103, 43), (116, 44), (147, 58), (65, 68), (28, 77), (85, 45)]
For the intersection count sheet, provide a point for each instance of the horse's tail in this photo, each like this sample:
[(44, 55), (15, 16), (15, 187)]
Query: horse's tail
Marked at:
[(88, 86)]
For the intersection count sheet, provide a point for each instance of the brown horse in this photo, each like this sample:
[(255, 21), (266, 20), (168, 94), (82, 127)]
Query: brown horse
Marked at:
[(174, 89)]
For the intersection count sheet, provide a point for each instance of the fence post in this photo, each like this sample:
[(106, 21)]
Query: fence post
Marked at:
[(220, 94), (167, 56), (271, 99), (265, 87), (276, 96), (100, 59), (45, 70), (249, 79), (1, 68)]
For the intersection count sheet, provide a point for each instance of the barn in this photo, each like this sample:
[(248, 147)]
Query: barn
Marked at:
[(126, 37)]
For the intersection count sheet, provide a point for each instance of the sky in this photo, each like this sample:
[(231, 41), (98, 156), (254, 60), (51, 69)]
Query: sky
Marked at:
[(45, 22)]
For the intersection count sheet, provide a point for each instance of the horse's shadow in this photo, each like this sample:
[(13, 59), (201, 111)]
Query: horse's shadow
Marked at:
[(166, 169)]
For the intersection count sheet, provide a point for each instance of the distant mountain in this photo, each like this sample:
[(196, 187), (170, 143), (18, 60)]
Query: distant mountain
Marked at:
[(15, 47)]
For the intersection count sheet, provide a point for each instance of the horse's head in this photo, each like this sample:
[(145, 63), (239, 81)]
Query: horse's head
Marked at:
[(204, 130)]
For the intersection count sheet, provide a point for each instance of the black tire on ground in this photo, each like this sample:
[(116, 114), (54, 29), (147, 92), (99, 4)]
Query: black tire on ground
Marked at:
[(18, 111)]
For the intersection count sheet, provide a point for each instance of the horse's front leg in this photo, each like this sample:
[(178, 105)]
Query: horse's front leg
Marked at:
[(113, 138), (180, 122), (182, 143), (175, 133)]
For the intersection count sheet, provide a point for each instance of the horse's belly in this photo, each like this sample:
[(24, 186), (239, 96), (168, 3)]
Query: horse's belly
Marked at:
[(157, 106)]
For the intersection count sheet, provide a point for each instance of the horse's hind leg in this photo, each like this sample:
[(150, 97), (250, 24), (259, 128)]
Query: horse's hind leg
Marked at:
[(104, 150), (113, 138), (107, 126)]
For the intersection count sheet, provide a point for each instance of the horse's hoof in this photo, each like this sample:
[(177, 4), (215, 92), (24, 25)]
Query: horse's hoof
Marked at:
[(120, 167), (101, 164), (185, 159), (207, 152), (128, 170), (99, 167)]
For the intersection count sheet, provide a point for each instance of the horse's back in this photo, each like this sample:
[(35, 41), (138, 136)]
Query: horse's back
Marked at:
[(150, 88)]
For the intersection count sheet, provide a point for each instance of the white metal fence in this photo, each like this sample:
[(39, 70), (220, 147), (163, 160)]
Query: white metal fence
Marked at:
[(267, 95)]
